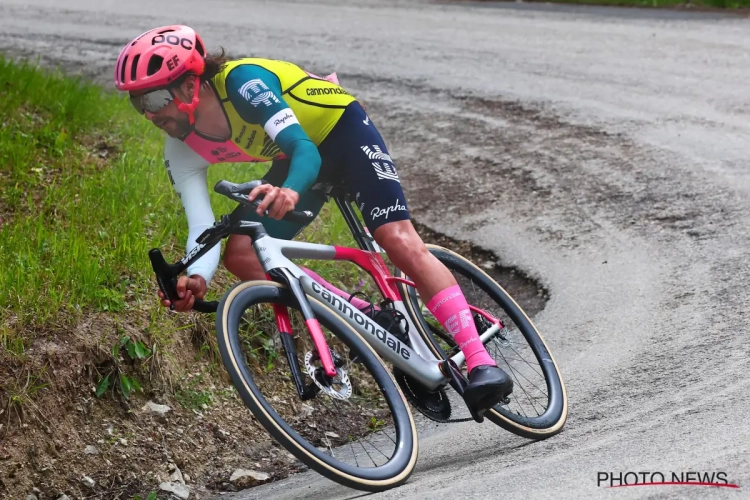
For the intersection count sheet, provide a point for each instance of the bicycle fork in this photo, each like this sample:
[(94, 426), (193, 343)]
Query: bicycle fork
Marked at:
[(284, 326)]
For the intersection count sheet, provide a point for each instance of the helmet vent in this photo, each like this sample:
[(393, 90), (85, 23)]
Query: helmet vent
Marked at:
[(199, 47), (154, 64), (165, 31), (134, 67), (122, 69)]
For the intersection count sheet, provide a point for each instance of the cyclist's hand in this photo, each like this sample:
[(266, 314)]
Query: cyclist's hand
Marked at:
[(278, 201), (189, 288)]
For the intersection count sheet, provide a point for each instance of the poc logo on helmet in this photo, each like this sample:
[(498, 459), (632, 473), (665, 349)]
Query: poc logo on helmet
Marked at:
[(185, 43)]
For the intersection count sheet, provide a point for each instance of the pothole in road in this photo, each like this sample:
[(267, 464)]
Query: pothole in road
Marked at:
[(529, 293)]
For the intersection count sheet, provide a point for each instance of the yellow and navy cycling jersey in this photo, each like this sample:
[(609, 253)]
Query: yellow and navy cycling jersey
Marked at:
[(275, 109), (248, 89)]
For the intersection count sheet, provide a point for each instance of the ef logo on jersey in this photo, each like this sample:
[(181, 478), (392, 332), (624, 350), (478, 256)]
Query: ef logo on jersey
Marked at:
[(258, 93)]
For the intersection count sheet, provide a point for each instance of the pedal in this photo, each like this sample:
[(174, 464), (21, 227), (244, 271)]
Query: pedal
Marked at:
[(459, 383), (477, 411), (477, 416), (455, 377)]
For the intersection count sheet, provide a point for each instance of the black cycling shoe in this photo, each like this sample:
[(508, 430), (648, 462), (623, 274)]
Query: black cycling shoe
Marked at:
[(488, 386)]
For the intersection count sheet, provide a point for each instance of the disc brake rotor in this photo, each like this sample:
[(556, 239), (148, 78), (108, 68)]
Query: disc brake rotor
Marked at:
[(340, 387)]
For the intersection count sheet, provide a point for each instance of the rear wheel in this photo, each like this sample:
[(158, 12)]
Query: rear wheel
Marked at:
[(538, 406), (356, 428)]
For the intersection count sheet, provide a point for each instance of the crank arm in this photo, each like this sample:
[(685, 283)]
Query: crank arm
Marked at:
[(459, 383)]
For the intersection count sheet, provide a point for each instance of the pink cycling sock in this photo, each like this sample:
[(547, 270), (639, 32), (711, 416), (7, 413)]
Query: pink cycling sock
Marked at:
[(356, 302), (450, 308)]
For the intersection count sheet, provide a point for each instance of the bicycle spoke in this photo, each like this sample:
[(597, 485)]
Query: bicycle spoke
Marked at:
[(327, 442), (524, 361), (516, 347), (334, 424), (359, 440), (517, 384), (528, 398), (378, 449), (354, 453), (368, 453), (389, 437)]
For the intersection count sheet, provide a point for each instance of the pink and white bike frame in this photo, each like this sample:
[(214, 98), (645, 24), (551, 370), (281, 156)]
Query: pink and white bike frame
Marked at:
[(416, 360)]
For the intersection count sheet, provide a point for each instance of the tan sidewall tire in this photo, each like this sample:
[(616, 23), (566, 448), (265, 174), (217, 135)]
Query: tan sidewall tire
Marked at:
[(232, 366)]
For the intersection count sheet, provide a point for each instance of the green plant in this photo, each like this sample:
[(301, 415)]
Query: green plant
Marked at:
[(12, 344), (151, 496), (21, 395), (192, 398), (136, 351), (83, 197), (375, 424)]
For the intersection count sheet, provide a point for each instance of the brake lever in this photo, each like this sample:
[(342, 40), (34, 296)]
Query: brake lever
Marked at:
[(219, 226), (164, 277)]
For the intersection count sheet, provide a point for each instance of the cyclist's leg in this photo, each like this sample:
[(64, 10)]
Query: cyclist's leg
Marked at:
[(372, 179), (239, 256)]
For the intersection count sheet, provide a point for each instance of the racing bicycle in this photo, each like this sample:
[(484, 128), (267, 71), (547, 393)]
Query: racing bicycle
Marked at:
[(333, 383)]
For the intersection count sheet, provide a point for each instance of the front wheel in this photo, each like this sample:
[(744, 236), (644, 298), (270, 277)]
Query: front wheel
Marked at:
[(538, 406), (355, 428)]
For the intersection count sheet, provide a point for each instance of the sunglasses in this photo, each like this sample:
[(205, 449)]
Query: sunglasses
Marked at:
[(153, 101)]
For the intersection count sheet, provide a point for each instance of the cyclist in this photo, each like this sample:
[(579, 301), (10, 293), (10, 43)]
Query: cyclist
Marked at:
[(258, 110)]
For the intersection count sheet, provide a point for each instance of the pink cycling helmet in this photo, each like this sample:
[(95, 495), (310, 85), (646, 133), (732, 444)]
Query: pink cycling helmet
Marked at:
[(159, 57)]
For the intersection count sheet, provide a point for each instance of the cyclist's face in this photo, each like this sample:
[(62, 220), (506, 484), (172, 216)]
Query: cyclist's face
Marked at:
[(159, 107)]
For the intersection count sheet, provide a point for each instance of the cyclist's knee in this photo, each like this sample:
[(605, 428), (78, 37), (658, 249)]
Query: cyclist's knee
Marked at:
[(400, 239), (240, 258)]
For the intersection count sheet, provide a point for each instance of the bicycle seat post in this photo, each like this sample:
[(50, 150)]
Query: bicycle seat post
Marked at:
[(364, 240)]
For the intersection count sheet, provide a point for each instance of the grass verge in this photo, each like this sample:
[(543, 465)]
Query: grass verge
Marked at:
[(84, 196)]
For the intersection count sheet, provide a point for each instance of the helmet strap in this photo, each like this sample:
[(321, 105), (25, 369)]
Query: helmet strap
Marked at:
[(190, 108)]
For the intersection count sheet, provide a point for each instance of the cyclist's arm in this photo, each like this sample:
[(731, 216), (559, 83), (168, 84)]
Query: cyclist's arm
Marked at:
[(256, 95), (187, 171)]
